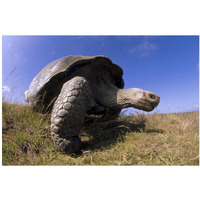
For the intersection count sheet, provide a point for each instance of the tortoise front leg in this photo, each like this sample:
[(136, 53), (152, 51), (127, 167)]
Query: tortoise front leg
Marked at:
[(68, 114)]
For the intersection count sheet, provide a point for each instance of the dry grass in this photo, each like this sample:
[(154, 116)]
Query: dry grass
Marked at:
[(154, 139)]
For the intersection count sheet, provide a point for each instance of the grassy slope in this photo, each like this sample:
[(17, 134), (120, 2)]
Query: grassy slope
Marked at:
[(168, 139)]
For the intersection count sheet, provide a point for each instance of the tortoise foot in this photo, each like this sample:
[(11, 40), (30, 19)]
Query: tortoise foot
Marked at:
[(71, 146)]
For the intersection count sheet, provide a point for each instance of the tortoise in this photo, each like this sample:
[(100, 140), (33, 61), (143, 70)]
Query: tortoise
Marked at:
[(75, 86)]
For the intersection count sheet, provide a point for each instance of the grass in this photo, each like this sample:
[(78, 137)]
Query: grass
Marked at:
[(153, 139)]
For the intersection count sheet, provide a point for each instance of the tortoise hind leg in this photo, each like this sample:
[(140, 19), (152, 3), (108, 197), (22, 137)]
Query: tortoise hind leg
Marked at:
[(68, 114)]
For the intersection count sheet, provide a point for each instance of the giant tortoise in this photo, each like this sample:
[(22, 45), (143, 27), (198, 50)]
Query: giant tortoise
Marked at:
[(75, 86)]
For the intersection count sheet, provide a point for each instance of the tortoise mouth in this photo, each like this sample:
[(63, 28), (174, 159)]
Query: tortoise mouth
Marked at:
[(152, 105), (148, 105)]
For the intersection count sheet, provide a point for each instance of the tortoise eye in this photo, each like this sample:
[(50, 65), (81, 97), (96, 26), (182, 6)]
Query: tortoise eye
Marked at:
[(152, 96)]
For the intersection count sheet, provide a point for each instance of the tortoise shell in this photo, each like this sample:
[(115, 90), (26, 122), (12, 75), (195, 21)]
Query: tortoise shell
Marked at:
[(47, 84)]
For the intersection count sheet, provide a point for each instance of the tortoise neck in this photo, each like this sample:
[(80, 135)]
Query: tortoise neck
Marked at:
[(123, 98), (112, 97)]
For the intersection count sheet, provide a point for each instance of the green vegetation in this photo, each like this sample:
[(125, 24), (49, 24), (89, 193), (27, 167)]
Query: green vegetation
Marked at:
[(153, 139)]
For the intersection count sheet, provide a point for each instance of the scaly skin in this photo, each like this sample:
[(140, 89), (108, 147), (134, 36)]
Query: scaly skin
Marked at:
[(68, 114)]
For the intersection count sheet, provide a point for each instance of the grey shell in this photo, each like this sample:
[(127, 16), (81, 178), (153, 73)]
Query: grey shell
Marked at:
[(47, 84)]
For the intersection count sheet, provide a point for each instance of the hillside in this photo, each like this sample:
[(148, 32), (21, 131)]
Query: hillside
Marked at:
[(153, 139)]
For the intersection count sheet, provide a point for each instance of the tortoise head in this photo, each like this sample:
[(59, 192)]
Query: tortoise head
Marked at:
[(138, 98)]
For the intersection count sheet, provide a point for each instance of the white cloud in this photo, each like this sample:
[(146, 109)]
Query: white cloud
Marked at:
[(143, 49), (18, 56), (52, 51), (9, 45), (5, 88)]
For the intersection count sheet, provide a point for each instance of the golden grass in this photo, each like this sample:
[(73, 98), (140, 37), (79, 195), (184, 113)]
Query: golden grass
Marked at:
[(153, 139)]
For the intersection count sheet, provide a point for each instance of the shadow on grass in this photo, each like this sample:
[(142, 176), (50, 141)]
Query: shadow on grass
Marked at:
[(107, 132), (154, 131)]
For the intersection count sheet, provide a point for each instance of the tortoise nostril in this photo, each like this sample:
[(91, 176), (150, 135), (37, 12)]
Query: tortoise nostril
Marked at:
[(152, 96)]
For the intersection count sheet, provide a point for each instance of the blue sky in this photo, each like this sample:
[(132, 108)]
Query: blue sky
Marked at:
[(166, 65)]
